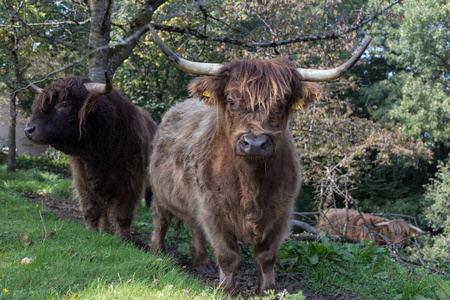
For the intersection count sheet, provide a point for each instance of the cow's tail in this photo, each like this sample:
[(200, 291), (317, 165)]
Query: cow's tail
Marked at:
[(148, 196)]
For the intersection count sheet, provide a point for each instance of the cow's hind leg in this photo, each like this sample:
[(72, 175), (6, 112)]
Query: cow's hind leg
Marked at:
[(161, 222), (123, 215), (104, 224), (199, 253)]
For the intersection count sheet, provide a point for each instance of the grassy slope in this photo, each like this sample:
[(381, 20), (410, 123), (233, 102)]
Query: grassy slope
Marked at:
[(69, 261)]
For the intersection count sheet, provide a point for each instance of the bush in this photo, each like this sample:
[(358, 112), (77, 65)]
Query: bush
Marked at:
[(3, 157), (437, 212), (362, 269), (51, 160)]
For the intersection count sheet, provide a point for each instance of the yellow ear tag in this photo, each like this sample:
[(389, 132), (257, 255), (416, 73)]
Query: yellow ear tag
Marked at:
[(413, 234), (206, 94), (300, 105)]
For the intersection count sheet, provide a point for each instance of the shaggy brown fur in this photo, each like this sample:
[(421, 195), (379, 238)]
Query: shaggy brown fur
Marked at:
[(108, 141), (198, 176), (386, 232)]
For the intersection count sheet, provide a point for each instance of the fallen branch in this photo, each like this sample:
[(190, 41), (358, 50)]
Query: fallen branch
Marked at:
[(418, 262), (312, 213), (305, 226), (315, 234)]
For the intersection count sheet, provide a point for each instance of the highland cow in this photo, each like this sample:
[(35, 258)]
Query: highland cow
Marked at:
[(394, 233), (108, 141), (226, 163)]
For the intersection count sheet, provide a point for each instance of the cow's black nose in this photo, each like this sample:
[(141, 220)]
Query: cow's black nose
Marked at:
[(255, 145), (29, 130)]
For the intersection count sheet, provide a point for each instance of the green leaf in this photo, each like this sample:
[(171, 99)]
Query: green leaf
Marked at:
[(288, 262), (314, 259), (444, 288)]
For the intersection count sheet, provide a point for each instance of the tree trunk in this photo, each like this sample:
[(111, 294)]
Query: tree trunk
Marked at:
[(99, 38), (12, 133), (106, 58), (13, 110)]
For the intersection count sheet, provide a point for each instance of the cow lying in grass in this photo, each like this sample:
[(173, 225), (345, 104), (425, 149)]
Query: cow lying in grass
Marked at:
[(394, 233), (108, 141)]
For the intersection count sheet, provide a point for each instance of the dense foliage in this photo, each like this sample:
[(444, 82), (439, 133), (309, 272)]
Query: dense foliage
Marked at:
[(437, 212), (418, 90), (359, 267)]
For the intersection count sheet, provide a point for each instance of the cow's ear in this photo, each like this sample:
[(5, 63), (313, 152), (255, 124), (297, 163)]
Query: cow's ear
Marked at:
[(304, 94), (208, 89), (88, 106)]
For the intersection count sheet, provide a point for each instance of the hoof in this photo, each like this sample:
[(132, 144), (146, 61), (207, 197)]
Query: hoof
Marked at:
[(206, 269)]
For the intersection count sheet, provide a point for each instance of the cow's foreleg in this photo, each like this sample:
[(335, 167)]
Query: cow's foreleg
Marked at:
[(161, 223), (228, 257), (199, 253), (265, 257)]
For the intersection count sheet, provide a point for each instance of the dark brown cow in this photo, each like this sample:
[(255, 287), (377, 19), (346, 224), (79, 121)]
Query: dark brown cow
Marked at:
[(230, 168), (393, 233), (108, 141)]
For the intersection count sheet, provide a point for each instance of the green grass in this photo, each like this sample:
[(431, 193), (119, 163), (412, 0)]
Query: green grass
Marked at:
[(37, 181), (67, 261)]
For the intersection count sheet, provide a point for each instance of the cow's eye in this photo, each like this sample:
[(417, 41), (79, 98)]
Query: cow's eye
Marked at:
[(63, 105), (231, 103)]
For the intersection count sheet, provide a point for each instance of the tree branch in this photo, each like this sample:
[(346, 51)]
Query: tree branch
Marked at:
[(305, 226), (306, 213), (274, 44), (49, 23), (138, 27), (315, 234), (55, 40)]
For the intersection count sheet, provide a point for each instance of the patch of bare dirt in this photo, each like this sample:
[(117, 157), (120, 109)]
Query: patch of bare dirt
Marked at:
[(67, 208), (246, 276)]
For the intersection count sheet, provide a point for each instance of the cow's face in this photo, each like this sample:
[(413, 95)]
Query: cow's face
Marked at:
[(396, 233), (55, 113), (256, 99)]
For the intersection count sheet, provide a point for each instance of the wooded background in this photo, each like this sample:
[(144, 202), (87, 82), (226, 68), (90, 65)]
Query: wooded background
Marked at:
[(379, 139)]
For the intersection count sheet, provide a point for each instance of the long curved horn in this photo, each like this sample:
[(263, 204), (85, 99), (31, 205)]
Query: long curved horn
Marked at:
[(196, 68), (381, 224), (100, 88), (36, 88), (331, 74), (417, 229)]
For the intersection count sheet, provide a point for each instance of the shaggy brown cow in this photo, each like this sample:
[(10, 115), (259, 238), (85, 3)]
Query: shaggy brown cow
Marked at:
[(394, 233), (230, 168), (108, 141)]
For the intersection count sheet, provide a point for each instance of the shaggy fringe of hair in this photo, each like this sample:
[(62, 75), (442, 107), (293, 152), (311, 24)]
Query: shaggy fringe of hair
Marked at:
[(262, 82)]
